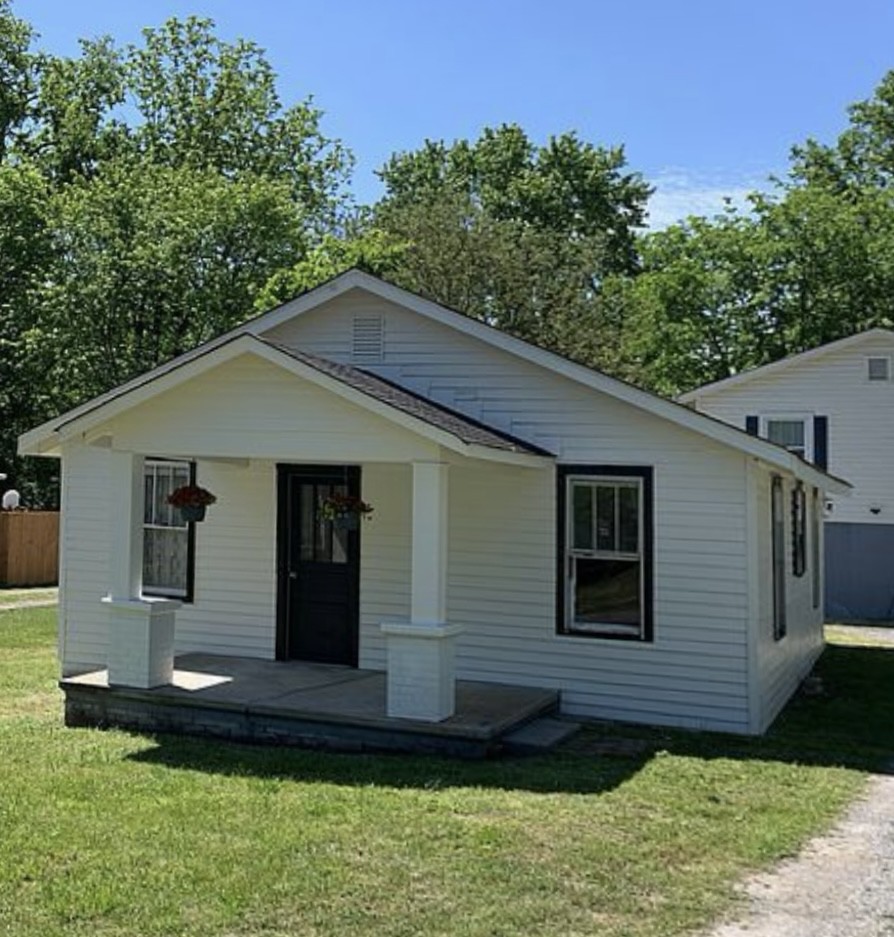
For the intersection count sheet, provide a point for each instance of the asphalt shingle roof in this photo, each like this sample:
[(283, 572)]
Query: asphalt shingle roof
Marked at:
[(464, 428)]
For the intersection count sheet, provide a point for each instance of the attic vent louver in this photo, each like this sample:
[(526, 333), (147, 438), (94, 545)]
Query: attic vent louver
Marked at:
[(369, 339), (878, 369)]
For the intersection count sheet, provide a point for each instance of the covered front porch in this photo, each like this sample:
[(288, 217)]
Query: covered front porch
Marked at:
[(302, 704), (274, 434)]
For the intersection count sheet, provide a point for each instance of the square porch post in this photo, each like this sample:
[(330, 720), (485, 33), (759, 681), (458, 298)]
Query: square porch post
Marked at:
[(421, 681), (141, 629)]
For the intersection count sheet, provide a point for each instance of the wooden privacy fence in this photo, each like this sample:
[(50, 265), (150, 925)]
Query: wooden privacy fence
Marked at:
[(29, 548)]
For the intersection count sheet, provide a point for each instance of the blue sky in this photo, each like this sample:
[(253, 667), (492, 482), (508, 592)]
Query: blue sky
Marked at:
[(707, 97)]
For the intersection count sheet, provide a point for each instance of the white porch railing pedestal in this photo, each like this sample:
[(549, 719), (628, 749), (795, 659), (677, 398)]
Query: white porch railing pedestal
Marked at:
[(141, 641), (421, 680)]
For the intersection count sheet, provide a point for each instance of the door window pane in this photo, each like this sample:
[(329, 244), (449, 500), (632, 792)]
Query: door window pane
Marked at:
[(321, 540)]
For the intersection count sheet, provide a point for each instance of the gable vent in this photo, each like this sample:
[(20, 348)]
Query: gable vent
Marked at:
[(878, 369), (368, 344)]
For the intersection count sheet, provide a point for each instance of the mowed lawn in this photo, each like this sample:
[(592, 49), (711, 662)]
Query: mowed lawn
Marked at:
[(109, 833)]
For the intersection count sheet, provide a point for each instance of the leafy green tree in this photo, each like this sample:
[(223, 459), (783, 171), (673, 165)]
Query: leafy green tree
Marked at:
[(18, 65), (164, 184), (567, 186), (152, 260), (811, 261)]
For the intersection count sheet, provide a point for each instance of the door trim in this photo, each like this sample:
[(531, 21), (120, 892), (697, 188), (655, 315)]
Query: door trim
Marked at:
[(284, 472)]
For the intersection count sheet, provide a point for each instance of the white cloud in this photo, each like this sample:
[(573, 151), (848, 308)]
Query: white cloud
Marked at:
[(681, 192)]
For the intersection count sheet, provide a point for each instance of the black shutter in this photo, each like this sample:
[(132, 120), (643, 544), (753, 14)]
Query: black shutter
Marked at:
[(821, 442), (751, 425)]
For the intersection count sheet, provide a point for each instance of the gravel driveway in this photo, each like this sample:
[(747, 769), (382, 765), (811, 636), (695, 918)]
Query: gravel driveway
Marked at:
[(842, 885)]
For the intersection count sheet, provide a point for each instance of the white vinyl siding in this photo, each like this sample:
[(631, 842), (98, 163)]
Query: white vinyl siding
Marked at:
[(239, 419), (502, 562), (781, 665), (860, 418), (84, 576)]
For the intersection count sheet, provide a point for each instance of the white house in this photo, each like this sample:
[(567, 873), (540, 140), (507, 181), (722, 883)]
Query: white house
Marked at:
[(834, 406), (535, 522)]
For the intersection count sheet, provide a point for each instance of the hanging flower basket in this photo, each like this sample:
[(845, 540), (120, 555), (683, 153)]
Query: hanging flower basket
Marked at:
[(191, 501), (344, 511)]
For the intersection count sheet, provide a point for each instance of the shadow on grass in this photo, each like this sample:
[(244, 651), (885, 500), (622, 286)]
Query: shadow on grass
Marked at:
[(558, 772), (848, 721)]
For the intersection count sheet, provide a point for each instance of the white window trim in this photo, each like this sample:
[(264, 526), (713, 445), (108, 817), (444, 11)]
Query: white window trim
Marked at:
[(793, 416), (183, 594), (602, 629)]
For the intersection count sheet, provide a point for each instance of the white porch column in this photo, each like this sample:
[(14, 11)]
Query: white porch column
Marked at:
[(421, 682), (141, 630)]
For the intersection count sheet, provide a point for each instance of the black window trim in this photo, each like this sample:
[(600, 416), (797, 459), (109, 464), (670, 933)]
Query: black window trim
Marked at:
[(799, 530), (189, 598), (646, 474), (777, 554)]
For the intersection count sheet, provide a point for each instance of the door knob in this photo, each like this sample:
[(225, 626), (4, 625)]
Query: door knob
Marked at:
[(293, 574)]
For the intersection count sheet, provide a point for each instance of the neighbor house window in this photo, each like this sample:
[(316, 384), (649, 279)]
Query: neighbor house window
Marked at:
[(789, 432), (777, 524), (799, 530), (168, 542), (605, 552), (878, 369)]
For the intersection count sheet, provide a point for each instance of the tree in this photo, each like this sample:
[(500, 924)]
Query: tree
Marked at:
[(567, 186), (152, 260), (810, 262), (518, 236), (18, 66), (155, 226)]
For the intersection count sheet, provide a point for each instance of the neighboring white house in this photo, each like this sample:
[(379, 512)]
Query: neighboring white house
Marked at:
[(834, 406), (535, 521)]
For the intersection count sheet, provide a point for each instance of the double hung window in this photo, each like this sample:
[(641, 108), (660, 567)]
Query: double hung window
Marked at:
[(168, 541), (605, 552)]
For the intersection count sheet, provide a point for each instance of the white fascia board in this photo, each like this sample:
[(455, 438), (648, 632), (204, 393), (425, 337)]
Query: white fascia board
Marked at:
[(44, 439), (782, 364), (807, 473)]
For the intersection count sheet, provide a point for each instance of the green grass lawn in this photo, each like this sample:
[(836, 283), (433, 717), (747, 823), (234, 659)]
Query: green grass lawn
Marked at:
[(9, 597), (109, 833)]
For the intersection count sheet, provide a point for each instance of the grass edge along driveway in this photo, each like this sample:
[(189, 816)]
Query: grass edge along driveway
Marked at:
[(110, 833)]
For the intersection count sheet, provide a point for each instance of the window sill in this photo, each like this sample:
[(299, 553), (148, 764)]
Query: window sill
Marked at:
[(606, 634)]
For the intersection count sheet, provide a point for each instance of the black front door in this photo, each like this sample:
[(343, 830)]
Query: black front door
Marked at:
[(319, 566)]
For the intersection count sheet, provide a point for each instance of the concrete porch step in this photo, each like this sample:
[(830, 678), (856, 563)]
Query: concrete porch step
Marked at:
[(540, 735)]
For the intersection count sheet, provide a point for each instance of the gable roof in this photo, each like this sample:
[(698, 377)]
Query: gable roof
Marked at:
[(438, 423), (44, 439), (783, 364), (469, 431)]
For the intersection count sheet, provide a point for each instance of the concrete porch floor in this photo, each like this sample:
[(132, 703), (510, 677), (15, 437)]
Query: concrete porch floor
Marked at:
[(304, 704)]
